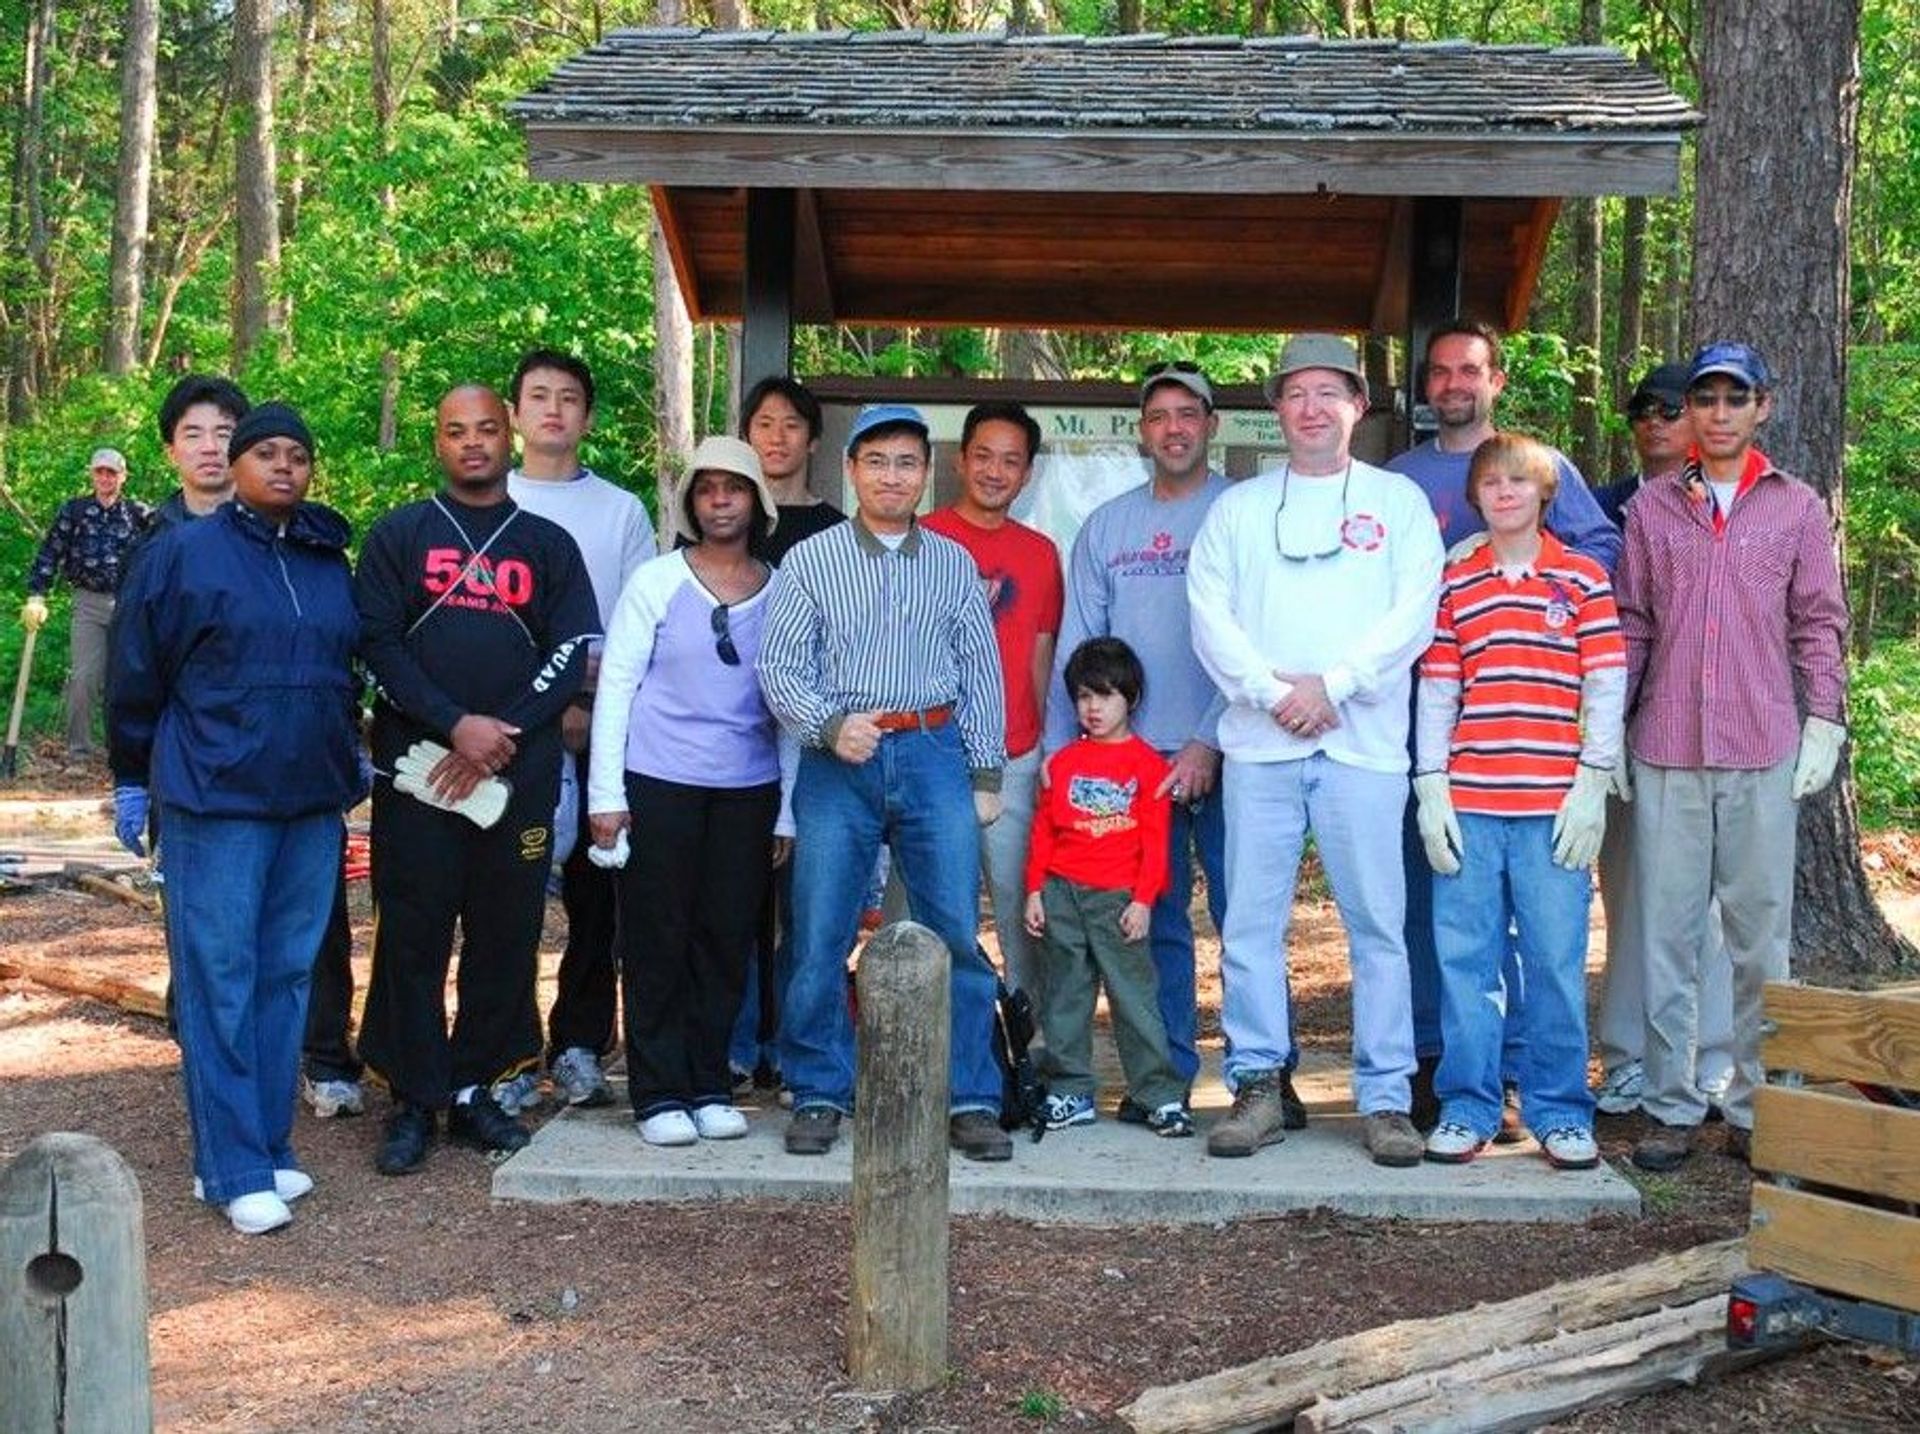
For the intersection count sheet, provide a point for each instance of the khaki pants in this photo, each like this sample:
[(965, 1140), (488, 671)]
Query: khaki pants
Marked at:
[(86, 666)]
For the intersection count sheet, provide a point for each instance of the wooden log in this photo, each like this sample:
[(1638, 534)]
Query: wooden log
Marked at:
[(1527, 1386), (1833, 1245), (1835, 1140), (73, 1291), (1276, 1389), (1842, 1035), (102, 886), (77, 981), (897, 1327)]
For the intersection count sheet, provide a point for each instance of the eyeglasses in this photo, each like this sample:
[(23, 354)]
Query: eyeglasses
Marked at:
[(723, 637), (1706, 398), (1279, 533), (1648, 407), (879, 465)]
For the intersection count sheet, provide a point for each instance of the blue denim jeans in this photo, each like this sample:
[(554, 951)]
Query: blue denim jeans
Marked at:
[(1508, 880), (1199, 830), (913, 794), (247, 902), (1354, 815)]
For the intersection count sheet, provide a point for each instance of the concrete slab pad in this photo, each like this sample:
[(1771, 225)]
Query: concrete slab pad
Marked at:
[(1103, 1174)]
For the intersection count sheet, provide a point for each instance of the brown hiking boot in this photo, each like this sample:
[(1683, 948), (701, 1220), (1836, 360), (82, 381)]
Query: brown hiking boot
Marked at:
[(977, 1135), (1664, 1146), (1392, 1140), (1258, 1117)]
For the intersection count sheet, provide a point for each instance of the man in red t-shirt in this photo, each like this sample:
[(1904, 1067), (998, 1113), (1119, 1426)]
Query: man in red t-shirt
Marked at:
[(1021, 570)]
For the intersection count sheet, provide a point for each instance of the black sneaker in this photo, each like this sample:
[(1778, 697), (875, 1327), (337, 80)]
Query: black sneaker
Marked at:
[(1131, 1112), (404, 1139), (977, 1135), (483, 1125), (1293, 1110), (813, 1130)]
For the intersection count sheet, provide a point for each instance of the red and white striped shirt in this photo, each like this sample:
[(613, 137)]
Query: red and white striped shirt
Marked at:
[(1722, 621), (1522, 649)]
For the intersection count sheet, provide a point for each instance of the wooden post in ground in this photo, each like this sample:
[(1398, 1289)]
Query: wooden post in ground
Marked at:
[(897, 1327), (73, 1291)]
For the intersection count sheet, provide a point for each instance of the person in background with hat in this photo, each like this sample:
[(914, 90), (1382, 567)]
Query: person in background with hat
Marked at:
[(1313, 590), (87, 545), (879, 660), (235, 702), (1662, 431), (685, 757), (1734, 616)]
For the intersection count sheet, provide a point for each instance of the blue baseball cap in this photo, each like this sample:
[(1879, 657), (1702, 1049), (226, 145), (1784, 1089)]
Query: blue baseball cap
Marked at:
[(1737, 361), (883, 415)]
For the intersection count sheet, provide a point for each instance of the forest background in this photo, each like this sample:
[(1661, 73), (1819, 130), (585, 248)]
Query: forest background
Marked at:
[(325, 198)]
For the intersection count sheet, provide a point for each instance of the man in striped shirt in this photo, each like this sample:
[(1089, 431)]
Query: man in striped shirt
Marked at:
[(1731, 603), (879, 658), (1517, 737)]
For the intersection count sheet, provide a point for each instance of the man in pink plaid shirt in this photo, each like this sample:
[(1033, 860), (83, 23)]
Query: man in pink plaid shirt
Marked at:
[(1731, 602)]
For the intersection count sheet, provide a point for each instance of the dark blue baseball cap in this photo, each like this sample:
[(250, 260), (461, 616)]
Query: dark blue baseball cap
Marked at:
[(886, 415), (1737, 361)]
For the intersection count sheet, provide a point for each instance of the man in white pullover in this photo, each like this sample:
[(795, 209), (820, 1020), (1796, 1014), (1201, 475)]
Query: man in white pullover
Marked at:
[(1313, 590)]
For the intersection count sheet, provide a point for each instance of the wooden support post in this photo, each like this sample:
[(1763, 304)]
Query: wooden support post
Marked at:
[(73, 1291), (1436, 257), (766, 331), (897, 1327)]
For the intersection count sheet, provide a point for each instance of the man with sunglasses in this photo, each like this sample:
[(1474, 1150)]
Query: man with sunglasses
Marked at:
[(1662, 430), (1734, 617), (1313, 591), (879, 659)]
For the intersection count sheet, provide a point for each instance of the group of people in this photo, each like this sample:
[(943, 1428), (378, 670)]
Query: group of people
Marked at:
[(716, 745)]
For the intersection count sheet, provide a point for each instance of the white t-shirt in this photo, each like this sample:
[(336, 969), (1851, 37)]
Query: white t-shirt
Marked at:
[(609, 524)]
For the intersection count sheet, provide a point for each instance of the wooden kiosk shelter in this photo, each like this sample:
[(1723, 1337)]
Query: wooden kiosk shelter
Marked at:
[(1136, 182)]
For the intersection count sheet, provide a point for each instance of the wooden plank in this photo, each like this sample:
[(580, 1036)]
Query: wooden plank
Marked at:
[(76, 981), (819, 157), (1834, 1140), (1832, 1245), (1842, 1035), (1276, 1389)]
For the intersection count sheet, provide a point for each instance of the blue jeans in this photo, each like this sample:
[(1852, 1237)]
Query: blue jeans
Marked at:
[(247, 901), (1508, 880), (1354, 815), (1201, 831), (914, 795)]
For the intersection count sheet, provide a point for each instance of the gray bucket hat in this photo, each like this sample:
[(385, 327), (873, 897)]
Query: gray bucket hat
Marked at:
[(1317, 351)]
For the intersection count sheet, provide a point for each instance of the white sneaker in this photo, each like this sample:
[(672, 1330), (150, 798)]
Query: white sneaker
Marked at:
[(289, 1185), (1714, 1088), (330, 1098), (258, 1213), (1570, 1148), (669, 1127), (1453, 1143), (719, 1122), (1620, 1092)]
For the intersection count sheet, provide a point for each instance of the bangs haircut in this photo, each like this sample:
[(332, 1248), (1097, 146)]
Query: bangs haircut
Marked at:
[(1104, 665), (223, 393), (1519, 456), (794, 392), (574, 368)]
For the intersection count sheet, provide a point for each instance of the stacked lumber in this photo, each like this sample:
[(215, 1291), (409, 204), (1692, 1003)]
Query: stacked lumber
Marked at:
[(1516, 1364)]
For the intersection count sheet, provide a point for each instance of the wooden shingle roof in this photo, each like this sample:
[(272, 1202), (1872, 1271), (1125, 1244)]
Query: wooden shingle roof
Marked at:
[(1134, 181)]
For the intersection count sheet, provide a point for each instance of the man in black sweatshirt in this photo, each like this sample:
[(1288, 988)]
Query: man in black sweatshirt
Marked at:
[(475, 618)]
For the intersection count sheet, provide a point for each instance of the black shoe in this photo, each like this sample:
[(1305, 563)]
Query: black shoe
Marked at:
[(404, 1139), (977, 1135), (813, 1130), (1426, 1104), (1131, 1112), (483, 1125), (1293, 1110)]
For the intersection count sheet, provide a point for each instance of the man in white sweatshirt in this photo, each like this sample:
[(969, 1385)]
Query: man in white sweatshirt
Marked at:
[(1312, 591)]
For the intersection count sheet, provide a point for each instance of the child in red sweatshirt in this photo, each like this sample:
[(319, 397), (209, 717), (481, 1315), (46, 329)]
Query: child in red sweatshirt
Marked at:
[(1097, 861)]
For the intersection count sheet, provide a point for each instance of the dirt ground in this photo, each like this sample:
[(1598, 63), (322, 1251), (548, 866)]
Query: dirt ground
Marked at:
[(421, 1304)]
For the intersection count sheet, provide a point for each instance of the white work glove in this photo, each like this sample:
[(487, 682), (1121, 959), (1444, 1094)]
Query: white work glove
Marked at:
[(986, 806), (1581, 823), (33, 613), (611, 858), (1621, 779), (1820, 742), (1439, 826), (1466, 547), (482, 806)]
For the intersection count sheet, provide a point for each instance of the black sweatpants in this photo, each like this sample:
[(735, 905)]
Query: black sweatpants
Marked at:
[(584, 1003), (690, 900), (431, 870)]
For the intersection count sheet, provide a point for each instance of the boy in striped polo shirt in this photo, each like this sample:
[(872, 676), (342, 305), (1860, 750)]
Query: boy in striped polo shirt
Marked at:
[(1518, 732)]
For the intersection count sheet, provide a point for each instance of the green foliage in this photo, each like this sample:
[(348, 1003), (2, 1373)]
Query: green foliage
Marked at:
[(1041, 1405), (1884, 707)]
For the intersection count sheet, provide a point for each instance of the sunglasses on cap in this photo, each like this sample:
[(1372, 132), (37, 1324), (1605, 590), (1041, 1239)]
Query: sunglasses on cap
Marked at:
[(1171, 366), (1648, 406)]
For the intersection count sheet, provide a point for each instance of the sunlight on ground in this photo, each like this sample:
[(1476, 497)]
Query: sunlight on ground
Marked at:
[(35, 1038)]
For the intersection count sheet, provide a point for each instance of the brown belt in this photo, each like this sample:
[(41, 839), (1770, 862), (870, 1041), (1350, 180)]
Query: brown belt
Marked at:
[(907, 721)]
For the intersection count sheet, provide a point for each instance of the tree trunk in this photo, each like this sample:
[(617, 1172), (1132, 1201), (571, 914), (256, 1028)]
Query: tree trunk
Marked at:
[(1676, 319), (257, 201), (672, 350), (1630, 332), (28, 219), (133, 189), (1589, 283), (302, 92), (381, 78), (1771, 215)]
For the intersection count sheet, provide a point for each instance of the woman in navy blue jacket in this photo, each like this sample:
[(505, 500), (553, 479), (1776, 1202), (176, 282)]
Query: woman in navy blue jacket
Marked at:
[(234, 704)]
